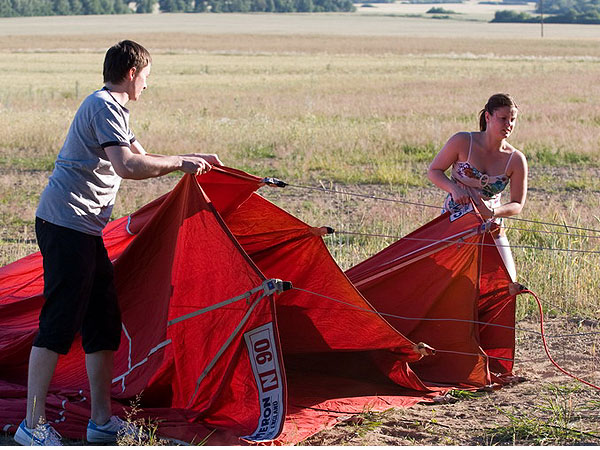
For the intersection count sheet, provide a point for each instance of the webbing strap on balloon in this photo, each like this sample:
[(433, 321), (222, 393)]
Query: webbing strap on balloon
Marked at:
[(276, 182)]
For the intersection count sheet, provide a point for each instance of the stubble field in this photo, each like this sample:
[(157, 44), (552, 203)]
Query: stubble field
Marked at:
[(359, 103)]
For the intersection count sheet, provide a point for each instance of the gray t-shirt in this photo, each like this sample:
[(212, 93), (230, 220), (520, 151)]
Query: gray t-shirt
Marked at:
[(82, 189)]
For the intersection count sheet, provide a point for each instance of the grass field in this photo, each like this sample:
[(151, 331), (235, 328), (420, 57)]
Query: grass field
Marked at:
[(359, 102)]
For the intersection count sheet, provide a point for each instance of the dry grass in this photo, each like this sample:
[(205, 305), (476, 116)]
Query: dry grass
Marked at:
[(346, 110), (460, 44), (359, 113)]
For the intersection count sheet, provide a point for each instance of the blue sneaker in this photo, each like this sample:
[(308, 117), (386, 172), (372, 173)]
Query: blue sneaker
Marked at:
[(43, 434), (108, 433)]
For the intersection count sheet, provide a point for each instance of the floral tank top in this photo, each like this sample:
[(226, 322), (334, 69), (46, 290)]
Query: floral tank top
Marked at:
[(478, 184)]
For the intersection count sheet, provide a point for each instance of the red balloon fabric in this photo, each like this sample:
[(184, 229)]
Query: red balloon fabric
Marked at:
[(212, 348)]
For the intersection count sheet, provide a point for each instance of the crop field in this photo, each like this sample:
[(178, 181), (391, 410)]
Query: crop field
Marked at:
[(358, 103)]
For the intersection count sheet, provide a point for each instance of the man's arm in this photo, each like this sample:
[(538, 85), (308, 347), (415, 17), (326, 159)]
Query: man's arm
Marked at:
[(210, 158), (134, 163)]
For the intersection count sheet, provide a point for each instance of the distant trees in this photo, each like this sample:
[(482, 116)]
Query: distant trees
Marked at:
[(14, 8), (255, 5), (557, 11), (571, 11), (145, 6)]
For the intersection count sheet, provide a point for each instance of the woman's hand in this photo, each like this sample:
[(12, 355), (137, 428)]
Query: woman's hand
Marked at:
[(460, 195)]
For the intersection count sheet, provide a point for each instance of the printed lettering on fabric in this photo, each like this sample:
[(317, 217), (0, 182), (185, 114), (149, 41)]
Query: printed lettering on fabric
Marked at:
[(265, 365), (460, 211)]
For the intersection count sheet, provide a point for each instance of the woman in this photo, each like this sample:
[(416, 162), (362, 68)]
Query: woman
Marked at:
[(483, 164)]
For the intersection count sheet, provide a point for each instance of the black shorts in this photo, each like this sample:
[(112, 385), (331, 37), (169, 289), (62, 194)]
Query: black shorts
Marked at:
[(79, 290)]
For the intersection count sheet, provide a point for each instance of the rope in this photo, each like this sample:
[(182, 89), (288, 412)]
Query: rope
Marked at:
[(553, 224), (532, 247), (356, 194), (512, 246), (394, 316), (461, 242), (562, 233), (546, 345), (587, 236), (541, 333), (564, 311), (474, 354), (421, 319), (373, 197)]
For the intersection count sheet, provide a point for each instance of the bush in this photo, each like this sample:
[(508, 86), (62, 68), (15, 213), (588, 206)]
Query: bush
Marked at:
[(425, 2), (507, 15), (440, 10)]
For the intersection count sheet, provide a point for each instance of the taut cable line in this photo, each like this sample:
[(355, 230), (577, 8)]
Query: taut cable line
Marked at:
[(562, 233), (356, 194), (542, 333), (429, 319), (527, 291), (483, 244), (425, 205), (561, 225), (460, 242)]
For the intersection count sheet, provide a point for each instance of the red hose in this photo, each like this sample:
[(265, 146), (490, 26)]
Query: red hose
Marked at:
[(546, 346)]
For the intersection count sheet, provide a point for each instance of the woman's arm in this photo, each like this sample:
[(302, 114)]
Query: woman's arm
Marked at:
[(447, 156), (518, 187)]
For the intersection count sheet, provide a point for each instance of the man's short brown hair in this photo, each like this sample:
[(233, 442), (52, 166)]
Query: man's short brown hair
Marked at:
[(121, 57)]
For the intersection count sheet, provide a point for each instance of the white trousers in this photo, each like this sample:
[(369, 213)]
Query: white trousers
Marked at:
[(503, 247)]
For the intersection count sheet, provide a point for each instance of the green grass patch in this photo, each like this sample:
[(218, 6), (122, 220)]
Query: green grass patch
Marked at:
[(257, 151), (555, 425), (556, 158), (419, 153), (16, 162), (524, 430), (461, 394)]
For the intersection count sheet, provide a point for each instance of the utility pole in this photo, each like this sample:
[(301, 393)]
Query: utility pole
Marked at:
[(542, 17)]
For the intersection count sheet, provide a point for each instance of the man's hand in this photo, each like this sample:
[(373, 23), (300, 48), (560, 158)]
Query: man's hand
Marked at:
[(137, 164), (194, 164), (210, 158)]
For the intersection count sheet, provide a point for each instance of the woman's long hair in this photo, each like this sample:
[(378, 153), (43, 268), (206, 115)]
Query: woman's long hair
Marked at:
[(494, 102)]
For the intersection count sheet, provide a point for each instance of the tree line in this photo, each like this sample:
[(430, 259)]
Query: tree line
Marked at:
[(556, 11), (17, 8)]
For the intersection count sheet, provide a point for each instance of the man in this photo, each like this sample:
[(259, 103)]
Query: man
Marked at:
[(98, 152)]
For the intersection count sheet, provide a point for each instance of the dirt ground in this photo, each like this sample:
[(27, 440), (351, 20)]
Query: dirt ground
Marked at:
[(545, 408)]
